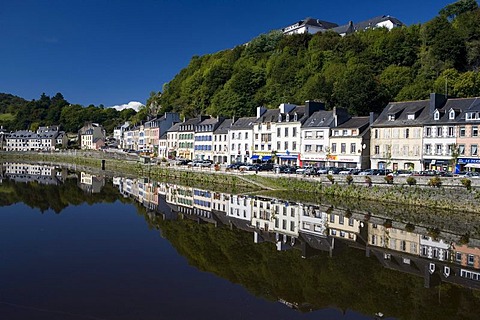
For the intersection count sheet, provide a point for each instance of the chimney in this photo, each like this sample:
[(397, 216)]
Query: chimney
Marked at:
[(260, 111), (233, 120), (313, 106), (372, 117), (437, 100)]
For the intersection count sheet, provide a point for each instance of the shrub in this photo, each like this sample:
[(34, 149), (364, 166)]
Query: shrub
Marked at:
[(389, 179), (349, 179), (368, 181), (435, 182), (467, 183), (331, 178), (464, 239), (409, 227), (411, 181)]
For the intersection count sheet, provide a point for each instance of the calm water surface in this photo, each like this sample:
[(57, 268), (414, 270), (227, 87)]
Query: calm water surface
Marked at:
[(101, 261)]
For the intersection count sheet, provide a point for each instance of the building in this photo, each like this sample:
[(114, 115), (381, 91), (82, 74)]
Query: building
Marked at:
[(277, 132), (240, 140), (308, 25), (220, 142), (91, 136), (316, 131), (385, 21), (397, 134), (203, 141), (350, 144), (186, 137)]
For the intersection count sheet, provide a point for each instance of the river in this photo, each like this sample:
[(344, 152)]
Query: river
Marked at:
[(74, 245)]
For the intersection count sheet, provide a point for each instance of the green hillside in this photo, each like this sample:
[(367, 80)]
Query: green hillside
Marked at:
[(361, 72)]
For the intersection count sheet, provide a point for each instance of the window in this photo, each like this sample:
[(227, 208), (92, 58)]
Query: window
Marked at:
[(474, 150), (294, 146), (428, 132), (411, 116), (377, 149), (343, 148), (462, 131), (246, 135), (286, 132), (436, 115), (344, 132), (474, 131), (391, 117), (294, 133), (308, 134), (334, 147), (461, 149), (278, 145), (308, 148), (353, 148), (438, 149), (458, 256), (407, 133), (332, 218), (278, 132), (428, 149), (471, 259), (451, 115), (286, 145), (336, 133), (376, 133), (439, 131), (319, 148)]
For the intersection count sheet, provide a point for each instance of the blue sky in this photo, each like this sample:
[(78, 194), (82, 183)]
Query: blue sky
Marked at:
[(113, 52)]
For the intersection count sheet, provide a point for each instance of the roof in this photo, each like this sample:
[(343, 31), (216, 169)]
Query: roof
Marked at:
[(351, 27), (310, 22), (243, 123), (373, 22), (271, 115), (224, 127), (401, 110), (175, 127), (320, 118), (355, 122), (461, 106)]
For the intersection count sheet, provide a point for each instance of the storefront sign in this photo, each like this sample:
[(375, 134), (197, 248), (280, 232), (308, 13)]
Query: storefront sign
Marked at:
[(468, 160)]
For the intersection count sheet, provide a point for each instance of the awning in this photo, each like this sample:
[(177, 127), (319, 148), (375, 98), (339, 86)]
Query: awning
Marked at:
[(473, 165), (254, 157), (266, 158), (288, 157)]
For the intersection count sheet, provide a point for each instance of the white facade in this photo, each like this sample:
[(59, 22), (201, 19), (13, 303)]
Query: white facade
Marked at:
[(240, 207)]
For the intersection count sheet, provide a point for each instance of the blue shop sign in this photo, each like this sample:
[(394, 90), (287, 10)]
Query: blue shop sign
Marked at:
[(467, 160)]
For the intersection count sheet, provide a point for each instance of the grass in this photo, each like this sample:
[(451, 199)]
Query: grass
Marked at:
[(7, 116)]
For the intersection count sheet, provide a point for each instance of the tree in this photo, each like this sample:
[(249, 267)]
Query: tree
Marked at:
[(359, 91), (455, 9)]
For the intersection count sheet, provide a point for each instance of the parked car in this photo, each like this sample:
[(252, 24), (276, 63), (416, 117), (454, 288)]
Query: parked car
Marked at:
[(235, 165), (265, 167), (333, 170), (403, 173), (206, 163), (322, 170)]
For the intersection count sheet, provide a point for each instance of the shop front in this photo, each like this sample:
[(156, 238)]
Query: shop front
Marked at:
[(351, 162), (467, 164), (315, 160), (437, 164)]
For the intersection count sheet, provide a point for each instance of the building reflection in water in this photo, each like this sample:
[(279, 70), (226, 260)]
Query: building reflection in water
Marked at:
[(40, 173), (312, 228), (90, 183)]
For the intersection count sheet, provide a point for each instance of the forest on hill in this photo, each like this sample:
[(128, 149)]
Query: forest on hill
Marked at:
[(361, 72), (19, 114)]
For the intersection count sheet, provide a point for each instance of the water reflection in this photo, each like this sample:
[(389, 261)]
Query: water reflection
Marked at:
[(427, 252), (353, 260)]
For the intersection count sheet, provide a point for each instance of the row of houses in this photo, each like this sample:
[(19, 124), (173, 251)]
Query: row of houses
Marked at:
[(292, 225), (312, 25), (91, 136), (437, 133)]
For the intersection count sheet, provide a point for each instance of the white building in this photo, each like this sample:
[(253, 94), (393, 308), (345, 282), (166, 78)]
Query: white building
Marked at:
[(220, 142), (203, 142), (308, 25), (240, 140)]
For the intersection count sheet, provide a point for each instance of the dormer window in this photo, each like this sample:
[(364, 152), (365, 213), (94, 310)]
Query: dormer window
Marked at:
[(411, 116), (287, 117), (451, 115), (391, 117), (279, 117), (436, 115), (295, 117)]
